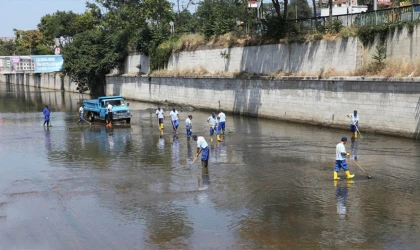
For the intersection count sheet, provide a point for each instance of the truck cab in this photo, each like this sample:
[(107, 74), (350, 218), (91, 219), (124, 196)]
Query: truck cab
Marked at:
[(98, 109)]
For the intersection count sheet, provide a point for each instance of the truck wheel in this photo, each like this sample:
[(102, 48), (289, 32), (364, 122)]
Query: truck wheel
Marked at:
[(128, 120), (91, 116)]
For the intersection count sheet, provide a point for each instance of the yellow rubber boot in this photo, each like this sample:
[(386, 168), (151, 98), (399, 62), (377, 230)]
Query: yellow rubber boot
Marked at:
[(336, 176), (219, 139), (349, 176)]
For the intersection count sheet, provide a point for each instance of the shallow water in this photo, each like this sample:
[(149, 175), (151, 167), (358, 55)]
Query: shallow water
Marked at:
[(128, 187)]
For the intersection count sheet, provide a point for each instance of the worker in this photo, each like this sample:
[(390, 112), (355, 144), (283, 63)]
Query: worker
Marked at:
[(203, 148), (212, 121), (46, 113), (160, 114), (80, 113), (354, 123), (109, 107), (340, 159), (222, 120), (188, 125), (174, 118)]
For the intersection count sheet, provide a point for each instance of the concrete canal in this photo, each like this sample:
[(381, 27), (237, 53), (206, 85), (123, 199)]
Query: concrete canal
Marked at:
[(270, 183)]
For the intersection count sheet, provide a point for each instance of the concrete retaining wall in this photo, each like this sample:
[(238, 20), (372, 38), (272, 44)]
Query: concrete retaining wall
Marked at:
[(342, 55), (131, 62), (48, 81), (385, 106), (308, 57)]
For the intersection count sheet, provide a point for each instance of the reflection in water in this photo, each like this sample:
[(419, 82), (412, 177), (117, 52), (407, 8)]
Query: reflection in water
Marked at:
[(111, 140), (161, 143), (189, 152), (175, 149), (341, 194), (354, 149), (47, 139)]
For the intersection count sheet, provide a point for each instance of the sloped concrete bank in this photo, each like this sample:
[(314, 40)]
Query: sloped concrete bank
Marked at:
[(386, 106)]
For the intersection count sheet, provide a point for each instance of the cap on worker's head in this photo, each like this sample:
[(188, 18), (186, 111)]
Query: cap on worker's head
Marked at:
[(189, 116), (194, 137), (343, 138)]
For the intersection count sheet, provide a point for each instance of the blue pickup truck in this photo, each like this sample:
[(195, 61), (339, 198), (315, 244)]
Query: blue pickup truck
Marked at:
[(97, 109)]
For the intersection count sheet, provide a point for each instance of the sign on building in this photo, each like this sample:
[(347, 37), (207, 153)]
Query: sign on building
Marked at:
[(253, 4)]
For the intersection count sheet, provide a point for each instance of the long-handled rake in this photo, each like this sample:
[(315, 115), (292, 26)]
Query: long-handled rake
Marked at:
[(87, 121), (195, 158), (367, 175), (361, 136)]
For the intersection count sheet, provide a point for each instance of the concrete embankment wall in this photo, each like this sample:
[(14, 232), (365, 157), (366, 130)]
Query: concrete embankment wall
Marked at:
[(385, 106), (47, 81), (342, 55)]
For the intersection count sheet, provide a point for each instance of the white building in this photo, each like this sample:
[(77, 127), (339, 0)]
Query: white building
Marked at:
[(342, 7)]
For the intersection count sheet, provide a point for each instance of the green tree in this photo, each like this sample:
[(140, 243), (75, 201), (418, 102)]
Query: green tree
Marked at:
[(220, 17), (65, 25), (93, 54), (10, 48), (302, 8), (185, 22)]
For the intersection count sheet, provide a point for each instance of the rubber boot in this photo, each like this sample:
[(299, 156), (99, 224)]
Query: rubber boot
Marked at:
[(336, 176), (219, 139), (355, 135), (349, 176), (211, 138)]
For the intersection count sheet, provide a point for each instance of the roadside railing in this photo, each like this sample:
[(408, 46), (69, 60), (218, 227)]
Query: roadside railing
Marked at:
[(370, 18)]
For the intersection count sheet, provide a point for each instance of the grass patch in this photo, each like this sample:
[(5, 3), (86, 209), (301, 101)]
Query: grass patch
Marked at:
[(394, 68), (350, 31), (189, 42)]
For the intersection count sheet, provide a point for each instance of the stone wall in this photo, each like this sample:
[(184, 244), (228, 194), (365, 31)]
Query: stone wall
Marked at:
[(385, 106)]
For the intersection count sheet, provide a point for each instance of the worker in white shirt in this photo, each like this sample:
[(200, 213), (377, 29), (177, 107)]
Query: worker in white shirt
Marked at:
[(212, 121), (222, 120), (80, 113), (109, 107), (160, 114), (188, 126), (354, 123), (203, 148), (174, 118)]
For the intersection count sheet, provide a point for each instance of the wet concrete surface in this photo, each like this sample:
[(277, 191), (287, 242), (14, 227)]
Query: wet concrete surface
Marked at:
[(128, 187)]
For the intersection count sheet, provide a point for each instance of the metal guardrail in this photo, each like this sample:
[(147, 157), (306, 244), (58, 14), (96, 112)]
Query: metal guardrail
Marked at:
[(370, 18)]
